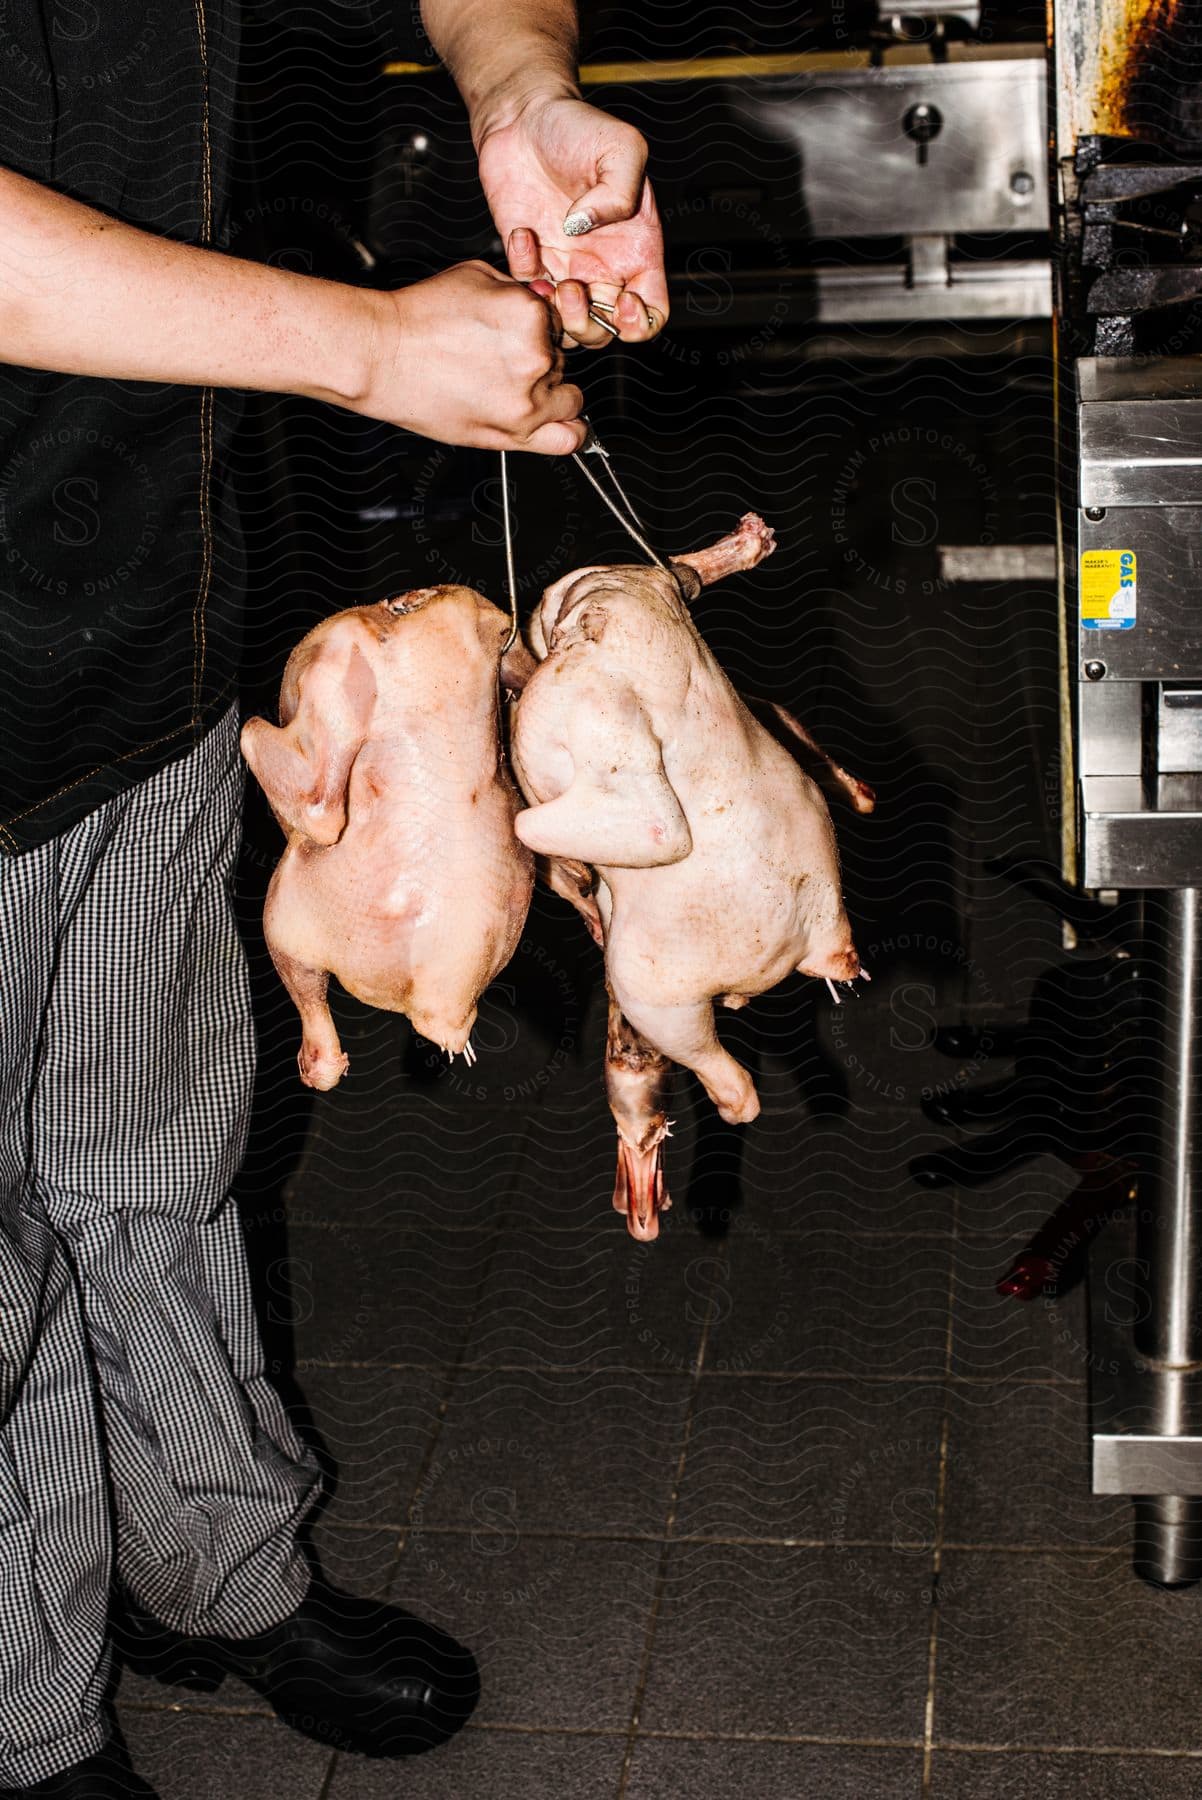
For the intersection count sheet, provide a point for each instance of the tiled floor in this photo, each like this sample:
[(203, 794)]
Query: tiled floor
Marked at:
[(788, 1504)]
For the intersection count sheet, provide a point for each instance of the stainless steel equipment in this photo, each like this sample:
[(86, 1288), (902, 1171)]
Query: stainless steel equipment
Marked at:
[(1145, 1287), (1138, 645), (1128, 150), (1139, 637), (925, 150)]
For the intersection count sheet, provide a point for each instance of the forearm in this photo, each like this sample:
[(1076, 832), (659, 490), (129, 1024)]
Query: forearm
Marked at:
[(84, 294), (503, 52)]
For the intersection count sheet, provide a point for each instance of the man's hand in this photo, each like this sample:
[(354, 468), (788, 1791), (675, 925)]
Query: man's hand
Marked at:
[(467, 357), (567, 188)]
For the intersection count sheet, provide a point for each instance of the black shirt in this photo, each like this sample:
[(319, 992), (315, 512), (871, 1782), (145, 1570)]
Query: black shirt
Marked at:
[(121, 568)]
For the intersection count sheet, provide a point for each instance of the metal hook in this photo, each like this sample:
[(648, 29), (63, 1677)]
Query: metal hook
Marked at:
[(510, 574), (630, 524), (625, 514)]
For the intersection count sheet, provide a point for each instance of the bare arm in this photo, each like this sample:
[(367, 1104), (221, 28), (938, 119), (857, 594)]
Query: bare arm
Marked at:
[(566, 182), (82, 293), (502, 62), (465, 357)]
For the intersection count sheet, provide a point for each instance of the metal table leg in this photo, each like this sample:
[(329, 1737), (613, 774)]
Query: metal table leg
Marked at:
[(1168, 1527)]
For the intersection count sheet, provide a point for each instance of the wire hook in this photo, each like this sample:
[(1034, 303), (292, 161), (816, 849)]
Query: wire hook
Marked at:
[(510, 573)]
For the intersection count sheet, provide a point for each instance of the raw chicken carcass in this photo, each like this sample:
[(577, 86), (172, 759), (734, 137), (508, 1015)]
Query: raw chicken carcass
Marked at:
[(718, 868), (402, 875)]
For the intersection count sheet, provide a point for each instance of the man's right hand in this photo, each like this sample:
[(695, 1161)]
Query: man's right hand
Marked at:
[(469, 357)]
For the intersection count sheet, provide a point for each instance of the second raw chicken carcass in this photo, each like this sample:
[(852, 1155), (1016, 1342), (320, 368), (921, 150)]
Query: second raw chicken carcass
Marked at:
[(402, 875), (718, 868)]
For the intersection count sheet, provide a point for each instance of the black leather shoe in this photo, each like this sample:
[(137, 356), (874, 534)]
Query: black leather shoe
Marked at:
[(106, 1776), (354, 1674)]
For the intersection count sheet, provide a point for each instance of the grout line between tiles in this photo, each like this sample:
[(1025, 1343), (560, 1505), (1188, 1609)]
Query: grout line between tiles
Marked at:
[(515, 1728), (661, 1574), (928, 1728), (958, 1747), (948, 1746), (1070, 1384), (402, 1223), (548, 1535), (327, 1780)]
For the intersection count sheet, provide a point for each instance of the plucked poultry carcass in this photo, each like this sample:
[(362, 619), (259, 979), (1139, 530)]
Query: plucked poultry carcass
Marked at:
[(718, 871), (402, 875)]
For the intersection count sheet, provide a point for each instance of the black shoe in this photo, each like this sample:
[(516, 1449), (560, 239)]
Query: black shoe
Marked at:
[(108, 1775), (355, 1674)]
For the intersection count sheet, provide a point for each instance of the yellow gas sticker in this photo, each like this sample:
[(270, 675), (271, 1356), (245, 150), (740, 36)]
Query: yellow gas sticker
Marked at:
[(1108, 590)]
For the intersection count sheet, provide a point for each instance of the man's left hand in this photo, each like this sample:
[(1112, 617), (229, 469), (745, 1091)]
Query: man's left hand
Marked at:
[(561, 161)]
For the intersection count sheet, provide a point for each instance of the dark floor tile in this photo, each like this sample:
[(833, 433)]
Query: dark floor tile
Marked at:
[(1018, 1202), (848, 1172), (1068, 1650), (386, 1157), (592, 1450), (388, 1296), (829, 1302), (782, 1641), (881, 1041), (960, 1775), (1018, 1469), (361, 1562), (807, 1457), (197, 1756), (998, 1337), (493, 1765), (594, 1297), (558, 1625), (665, 1769), (375, 1427)]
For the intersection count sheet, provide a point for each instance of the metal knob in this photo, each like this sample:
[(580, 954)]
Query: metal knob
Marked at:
[(922, 123)]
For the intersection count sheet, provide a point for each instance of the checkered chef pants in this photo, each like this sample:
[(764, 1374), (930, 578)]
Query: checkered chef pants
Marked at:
[(137, 1426)]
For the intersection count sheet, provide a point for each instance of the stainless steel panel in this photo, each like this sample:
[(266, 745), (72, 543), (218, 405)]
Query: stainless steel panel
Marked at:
[(1010, 288), (1015, 288), (1142, 849), (997, 562), (861, 175), (1179, 730), (1113, 793), (1141, 452), (967, 10), (1146, 1465), (1109, 719), (1139, 378), (1146, 1419), (1165, 643), (1179, 792), (1000, 290)]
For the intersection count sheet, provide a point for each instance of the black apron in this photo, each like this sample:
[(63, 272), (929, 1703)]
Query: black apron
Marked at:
[(121, 564)]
